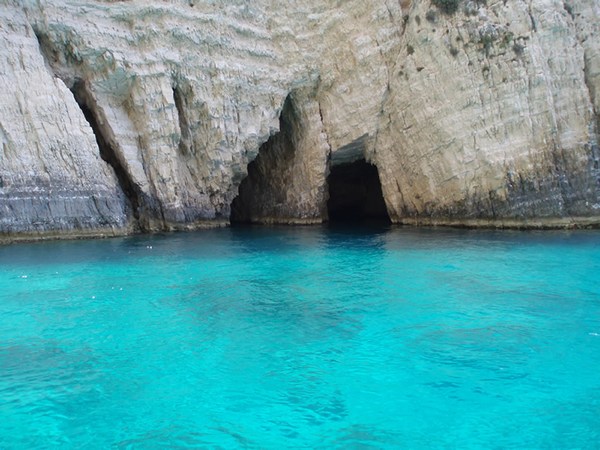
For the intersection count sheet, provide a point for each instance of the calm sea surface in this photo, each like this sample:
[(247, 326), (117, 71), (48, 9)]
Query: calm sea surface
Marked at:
[(302, 338)]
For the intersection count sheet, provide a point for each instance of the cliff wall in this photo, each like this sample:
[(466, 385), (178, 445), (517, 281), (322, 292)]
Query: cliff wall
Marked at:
[(118, 116)]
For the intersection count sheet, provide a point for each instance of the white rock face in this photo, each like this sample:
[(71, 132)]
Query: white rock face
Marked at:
[(492, 115), (486, 116), (52, 179)]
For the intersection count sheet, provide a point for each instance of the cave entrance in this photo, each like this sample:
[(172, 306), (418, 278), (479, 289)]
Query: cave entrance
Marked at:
[(355, 194), (286, 182), (263, 195)]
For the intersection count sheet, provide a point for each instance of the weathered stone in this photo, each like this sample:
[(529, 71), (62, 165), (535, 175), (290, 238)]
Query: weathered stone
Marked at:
[(500, 131), (52, 179), (124, 115), (286, 182)]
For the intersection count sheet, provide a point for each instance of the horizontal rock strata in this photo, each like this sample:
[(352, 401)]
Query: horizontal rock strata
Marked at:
[(125, 116)]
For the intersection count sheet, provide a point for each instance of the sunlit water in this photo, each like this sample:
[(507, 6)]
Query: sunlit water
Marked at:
[(302, 338)]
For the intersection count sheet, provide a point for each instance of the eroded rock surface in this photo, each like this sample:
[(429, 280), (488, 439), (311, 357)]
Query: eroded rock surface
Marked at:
[(492, 115), (286, 183), (145, 115), (52, 178)]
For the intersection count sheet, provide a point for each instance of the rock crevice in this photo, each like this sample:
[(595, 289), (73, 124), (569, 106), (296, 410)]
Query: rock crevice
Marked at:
[(54, 183), (286, 182), (103, 134)]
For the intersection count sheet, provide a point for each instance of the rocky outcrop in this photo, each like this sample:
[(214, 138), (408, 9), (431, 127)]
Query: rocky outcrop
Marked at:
[(286, 183), (491, 117), (119, 116), (52, 178)]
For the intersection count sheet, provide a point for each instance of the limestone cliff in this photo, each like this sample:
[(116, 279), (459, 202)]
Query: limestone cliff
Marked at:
[(130, 115), (492, 115), (52, 179)]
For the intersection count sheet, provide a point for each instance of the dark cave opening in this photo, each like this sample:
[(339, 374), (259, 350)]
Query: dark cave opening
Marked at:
[(355, 194), (262, 196), (243, 203)]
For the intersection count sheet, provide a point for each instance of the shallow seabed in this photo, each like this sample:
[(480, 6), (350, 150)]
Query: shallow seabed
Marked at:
[(302, 338)]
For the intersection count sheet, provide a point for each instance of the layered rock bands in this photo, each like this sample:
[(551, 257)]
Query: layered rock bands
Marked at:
[(135, 115)]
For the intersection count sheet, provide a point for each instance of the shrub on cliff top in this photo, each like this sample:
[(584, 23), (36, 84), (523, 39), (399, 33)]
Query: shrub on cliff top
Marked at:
[(446, 6)]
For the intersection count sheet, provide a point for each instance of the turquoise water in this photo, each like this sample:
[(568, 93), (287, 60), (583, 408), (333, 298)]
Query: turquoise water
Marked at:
[(302, 338)]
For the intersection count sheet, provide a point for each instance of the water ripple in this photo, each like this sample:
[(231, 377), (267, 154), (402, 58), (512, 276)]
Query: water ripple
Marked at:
[(302, 338)]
